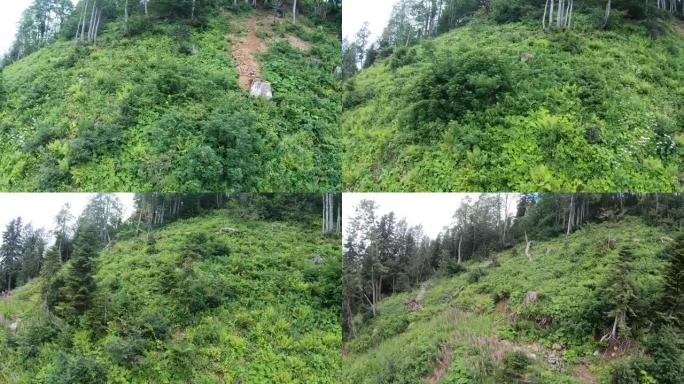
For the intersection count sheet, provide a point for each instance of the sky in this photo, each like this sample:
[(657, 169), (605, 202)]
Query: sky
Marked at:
[(432, 210), (40, 209), (356, 12), (10, 13)]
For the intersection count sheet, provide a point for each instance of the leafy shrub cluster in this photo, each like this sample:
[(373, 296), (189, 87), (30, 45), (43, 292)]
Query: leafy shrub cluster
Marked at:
[(207, 305), (509, 106), (160, 109), (484, 323)]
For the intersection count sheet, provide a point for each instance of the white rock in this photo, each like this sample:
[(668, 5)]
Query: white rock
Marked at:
[(261, 88)]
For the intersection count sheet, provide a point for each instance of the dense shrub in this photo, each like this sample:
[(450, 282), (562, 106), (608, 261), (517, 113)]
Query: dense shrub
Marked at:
[(456, 85), (125, 352), (475, 275), (514, 367), (66, 369), (666, 350), (94, 139)]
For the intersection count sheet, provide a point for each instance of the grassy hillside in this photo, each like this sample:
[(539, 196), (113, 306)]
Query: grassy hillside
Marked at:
[(194, 305), (162, 110), (501, 107), (475, 327)]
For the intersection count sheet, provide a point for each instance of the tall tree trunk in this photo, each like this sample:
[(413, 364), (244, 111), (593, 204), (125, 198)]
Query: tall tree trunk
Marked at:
[(97, 25), (607, 14), (83, 22), (528, 245), (294, 12), (460, 240), (571, 214), (126, 15), (192, 14)]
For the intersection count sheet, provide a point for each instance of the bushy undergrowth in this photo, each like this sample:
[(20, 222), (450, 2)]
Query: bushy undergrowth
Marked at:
[(161, 110), (488, 326), (202, 306), (501, 107)]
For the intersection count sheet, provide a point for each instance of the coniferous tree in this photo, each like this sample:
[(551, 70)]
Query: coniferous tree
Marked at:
[(620, 295), (33, 248), (674, 292), (51, 265), (79, 285), (63, 231), (11, 252)]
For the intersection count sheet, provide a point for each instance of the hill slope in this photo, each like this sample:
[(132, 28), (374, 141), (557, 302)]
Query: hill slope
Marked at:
[(510, 107), (162, 110), (196, 304), (516, 321)]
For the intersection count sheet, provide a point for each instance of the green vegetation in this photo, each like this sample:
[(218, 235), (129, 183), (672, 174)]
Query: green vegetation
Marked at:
[(155, 106), (505, 318), (225, 296), (478, 321), (500, 104)]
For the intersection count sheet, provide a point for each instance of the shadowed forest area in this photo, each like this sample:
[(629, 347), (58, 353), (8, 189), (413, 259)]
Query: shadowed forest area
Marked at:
[(524, 95), (190, 288), (114, 95), (567, 288)]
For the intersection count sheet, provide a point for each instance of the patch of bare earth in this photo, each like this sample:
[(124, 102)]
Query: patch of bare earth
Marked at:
[(501, 307), (584, 375), (440, 369), (299, 43), (679, 26), (247, 47), (244, 52)]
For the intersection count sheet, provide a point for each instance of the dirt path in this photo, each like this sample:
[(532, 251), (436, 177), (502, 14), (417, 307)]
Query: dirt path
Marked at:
[(244, 52), (445, 358), (416, 304), (584, 375), (246, 48)]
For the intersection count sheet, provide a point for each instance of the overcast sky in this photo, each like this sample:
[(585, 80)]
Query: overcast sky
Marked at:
[(432, 210), (40, 209), (10, 13), (356, 12)]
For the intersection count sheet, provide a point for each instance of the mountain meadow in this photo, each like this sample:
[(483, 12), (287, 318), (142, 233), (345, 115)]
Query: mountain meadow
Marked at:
[(154, 95), (571, 289), (461, 95), (191, 288)]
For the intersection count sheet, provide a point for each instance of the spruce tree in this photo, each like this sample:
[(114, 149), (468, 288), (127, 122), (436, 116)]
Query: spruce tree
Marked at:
[(79, 286), (620, 293), (674, 291), (48, 272), (10, 253)]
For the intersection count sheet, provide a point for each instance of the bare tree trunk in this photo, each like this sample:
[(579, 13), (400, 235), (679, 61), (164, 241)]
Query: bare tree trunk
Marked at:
[(527, 248), (97, 25), (571, 214), (81, 23), (294, 12), (460, 240), (126, 15), (607, 14), (192, 14)]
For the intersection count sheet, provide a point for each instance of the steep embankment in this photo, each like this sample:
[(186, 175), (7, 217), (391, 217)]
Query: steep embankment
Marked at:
[(213, 299), (162, 109), (514, 319), (511, 107)]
